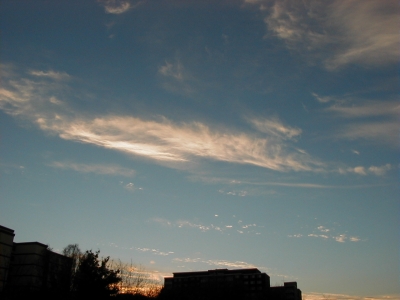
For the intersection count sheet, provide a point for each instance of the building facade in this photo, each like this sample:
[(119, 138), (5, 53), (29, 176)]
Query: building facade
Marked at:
[(6, 246), (288, 291), (243, 284), (31, 267)]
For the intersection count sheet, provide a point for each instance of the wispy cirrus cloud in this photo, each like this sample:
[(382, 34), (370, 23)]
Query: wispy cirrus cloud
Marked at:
[(229, 227), (216, 263), (115, 6), (370, 120), (102, 169), (275, 127), (363, 32), (360, 170), (324, 233), (367, 109), (152, 251), (160, 139), (176, 78), (50, 74)]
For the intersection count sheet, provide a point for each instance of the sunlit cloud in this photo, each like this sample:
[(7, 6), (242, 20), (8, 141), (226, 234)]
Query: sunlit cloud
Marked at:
[(159, 139), (131, 187), (363, 32), (101, 169), (324, 233), (172, 70), (370, 120), (50, 74), (367, 109), (221, 228), (115, 6), (176, 78), (217, 263), (323, 99), (378, 171), (241, 193), (379, 132), (323, 229), (152, 251), (275, 127)]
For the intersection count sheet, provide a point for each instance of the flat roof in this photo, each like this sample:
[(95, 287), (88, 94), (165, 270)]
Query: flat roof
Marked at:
[(217, 271)]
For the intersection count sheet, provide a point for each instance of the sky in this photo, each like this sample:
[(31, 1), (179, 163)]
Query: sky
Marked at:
[(195, 135)]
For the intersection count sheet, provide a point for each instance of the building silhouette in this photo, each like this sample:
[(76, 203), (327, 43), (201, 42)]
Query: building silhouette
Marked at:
[(6, 246), (31, 267), (244, 284)]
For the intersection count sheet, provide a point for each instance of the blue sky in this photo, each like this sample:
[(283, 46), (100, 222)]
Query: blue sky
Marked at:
[(194, 135)]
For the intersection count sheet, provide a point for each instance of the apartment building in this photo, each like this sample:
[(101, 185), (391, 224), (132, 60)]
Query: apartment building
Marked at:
[(6, 246), (243, 284), (31, 266)]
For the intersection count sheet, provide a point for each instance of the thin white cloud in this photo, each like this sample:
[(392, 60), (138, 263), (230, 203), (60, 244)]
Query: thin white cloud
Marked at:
[(375, 170), (324, 233), (363, 31), (50, 74), (323, 99), (367, 109), (370, 120), (115, 6), (380, 170), (176, 78), (379, 132), (160, 140), (101, 169), (240, 193), (230, 264), (369, 32), (323, 229), (131, 187), (275, 127), (222, 228), (217, 263), (172, 70)]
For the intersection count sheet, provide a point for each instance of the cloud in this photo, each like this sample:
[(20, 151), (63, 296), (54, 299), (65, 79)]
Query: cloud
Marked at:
[(50, 74), (326, 234), (217, 263), (370, 32), (363, 31), (367, 109), (172, 70), (159, 139), (131, 187), (323, 229), (380, 132), (370, 120), (115, 6), (378, 171), (275, 127), (93, 168), (222, 228), (241, 193), (323, 99), (176, 78)]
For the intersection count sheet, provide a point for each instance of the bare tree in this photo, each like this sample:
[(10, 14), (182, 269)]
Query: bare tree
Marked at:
[(136, 280), (74, 252)]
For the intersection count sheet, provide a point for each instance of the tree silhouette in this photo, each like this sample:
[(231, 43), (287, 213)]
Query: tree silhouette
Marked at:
[(74, 252), (94, 279)]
